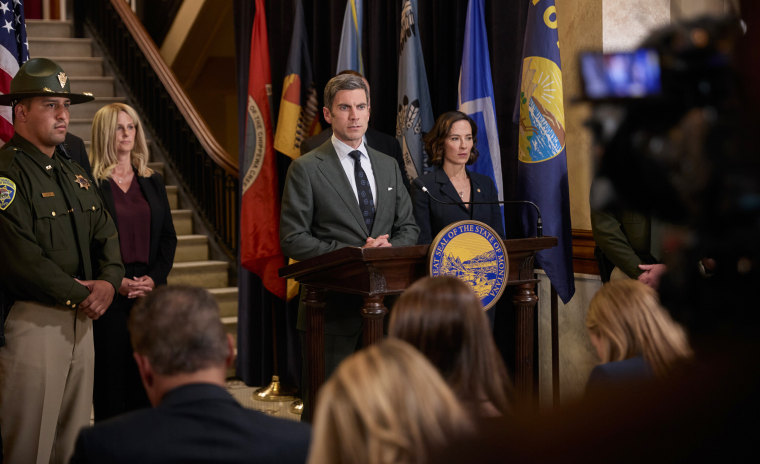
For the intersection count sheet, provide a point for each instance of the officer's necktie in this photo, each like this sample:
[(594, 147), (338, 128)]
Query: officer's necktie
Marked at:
[(363, 190)]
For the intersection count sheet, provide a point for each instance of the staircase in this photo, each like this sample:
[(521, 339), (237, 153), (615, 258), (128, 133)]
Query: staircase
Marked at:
[(88, 72)]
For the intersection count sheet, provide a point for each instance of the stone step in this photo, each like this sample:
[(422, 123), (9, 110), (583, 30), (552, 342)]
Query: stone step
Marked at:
[(79, 66), (183, 221), (171, 192), (53, 47), (100, 86), (206, 274), (86, 111), (191, 248), (49, 28), (230, 326), (227, 298)]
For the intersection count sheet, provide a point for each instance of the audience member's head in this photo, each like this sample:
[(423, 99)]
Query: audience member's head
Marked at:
[(443, 318), (436, 138), (178, 337), (385, 404), (625, 319)]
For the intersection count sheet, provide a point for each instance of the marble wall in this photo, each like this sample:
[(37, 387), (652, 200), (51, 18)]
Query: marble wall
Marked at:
[(576, 355)]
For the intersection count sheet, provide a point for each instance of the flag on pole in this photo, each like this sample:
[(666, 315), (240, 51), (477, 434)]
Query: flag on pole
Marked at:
[(350, 51), (14, 51), (475, 96), (542, 160), (260, 208), (298, 106), (415, 114)]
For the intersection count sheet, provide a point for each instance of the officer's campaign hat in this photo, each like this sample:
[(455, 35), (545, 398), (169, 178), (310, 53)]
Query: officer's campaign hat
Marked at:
[(41, 77)]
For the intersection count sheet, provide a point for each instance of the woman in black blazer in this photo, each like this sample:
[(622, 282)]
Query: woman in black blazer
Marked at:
[(451, 145), (136, 198)]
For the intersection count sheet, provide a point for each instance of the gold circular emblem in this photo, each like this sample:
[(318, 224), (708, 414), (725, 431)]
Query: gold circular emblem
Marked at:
[(474, 253)]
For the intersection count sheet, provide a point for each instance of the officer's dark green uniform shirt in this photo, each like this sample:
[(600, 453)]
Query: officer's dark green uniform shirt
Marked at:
[(45, 242)]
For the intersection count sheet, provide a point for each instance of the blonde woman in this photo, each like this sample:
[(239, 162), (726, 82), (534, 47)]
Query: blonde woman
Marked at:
[(385, 404), (633, 335), (136, 198), (444, 319)]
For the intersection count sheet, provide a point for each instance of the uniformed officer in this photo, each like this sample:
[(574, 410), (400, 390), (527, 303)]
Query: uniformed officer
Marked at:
[(61, 265)]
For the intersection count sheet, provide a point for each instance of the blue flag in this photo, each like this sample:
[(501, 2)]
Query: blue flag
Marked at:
[(350, 51), (415, 114), (542, 161), (475, 96)]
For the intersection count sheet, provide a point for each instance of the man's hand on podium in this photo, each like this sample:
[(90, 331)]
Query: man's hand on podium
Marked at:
[(380, 241)]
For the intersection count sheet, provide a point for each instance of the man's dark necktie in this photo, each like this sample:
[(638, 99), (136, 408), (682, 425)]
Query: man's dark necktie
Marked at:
[(363, 190)]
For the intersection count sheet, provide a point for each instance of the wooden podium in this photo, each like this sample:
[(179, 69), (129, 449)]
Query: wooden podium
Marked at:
[(377, 272)]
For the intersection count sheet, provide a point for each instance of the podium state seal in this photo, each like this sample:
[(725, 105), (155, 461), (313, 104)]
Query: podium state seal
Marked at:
[(474, 253)]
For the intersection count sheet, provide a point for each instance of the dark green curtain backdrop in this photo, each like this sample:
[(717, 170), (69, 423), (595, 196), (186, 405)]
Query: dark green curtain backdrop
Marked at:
[(441, 28)]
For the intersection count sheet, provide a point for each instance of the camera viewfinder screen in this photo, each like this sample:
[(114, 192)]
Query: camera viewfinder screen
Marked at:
[(633, 74)]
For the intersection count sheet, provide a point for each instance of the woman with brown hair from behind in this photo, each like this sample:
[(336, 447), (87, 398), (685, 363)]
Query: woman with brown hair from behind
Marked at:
[(634, 336), (385, 404), (444, 319)]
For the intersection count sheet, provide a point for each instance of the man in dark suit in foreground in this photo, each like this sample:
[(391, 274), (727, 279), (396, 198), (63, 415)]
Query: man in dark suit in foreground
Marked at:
[(182, 353)]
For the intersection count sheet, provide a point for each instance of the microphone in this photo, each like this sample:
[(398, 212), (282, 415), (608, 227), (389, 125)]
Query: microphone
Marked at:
[(417, 182)]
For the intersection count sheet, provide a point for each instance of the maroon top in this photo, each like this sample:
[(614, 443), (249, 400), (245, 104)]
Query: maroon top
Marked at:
[(133, 219)]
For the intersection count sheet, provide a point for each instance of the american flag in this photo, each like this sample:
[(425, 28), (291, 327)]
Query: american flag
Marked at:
[(14, 50)]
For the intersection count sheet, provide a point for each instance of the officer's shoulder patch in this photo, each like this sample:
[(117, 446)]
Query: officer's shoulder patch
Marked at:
[(7, 192)]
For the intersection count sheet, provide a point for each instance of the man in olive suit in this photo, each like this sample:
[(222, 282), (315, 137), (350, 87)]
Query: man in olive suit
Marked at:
[(341, 194)]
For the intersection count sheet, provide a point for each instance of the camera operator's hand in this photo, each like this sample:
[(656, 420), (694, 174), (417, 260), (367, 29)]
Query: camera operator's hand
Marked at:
[(652, 274)]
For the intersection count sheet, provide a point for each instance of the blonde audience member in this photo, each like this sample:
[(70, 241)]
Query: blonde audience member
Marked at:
[(385, 404), (443, 318), (633, 334)]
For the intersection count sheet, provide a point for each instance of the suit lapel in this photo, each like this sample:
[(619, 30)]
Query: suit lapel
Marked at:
[(149, 192), (107, 195), (333, 171), (385, 197), (478, 190), (447, 188)]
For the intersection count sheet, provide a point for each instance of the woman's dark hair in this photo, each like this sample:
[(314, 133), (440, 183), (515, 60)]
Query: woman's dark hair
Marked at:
[(435, 140), (444, 319)]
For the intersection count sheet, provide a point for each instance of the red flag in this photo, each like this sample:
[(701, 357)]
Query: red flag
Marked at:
[(260, 209)]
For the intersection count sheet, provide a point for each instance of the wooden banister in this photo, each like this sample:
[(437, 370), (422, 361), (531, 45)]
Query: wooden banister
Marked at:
[(175, 90)]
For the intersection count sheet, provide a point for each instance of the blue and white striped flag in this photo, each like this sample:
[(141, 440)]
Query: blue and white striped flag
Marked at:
[(350, 51), (415, 114), (475, 96)]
